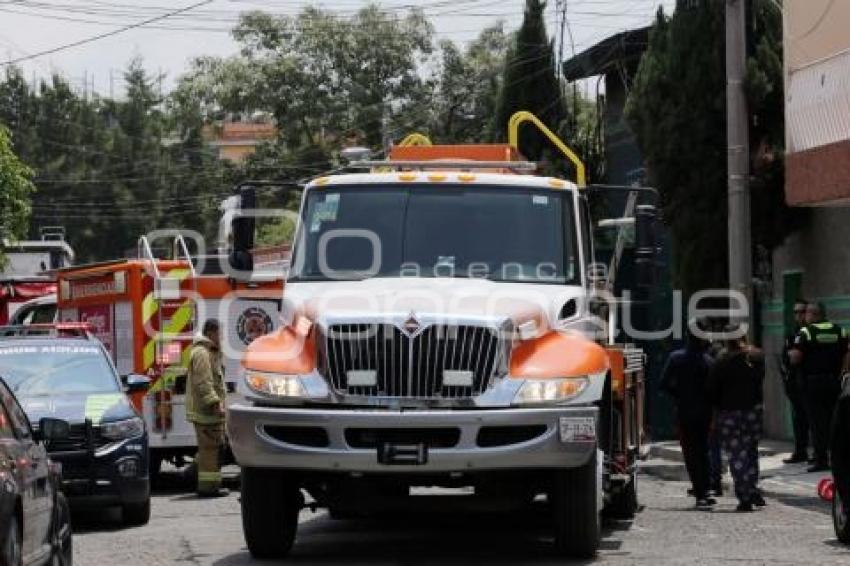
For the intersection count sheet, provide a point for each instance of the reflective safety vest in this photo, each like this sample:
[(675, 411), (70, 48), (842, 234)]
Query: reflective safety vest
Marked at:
[(823, 345)]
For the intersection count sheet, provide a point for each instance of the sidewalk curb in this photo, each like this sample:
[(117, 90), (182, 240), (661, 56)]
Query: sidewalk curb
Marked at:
[(664, 469), (778, 482), (671, 450)]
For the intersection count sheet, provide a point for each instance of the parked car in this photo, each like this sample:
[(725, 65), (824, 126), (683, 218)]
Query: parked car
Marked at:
[(35, 523), (62, 371), (36, 311), (841, 466)]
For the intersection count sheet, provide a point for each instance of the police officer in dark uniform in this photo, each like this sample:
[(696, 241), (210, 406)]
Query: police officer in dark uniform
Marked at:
[(819, 351), (793, 383)]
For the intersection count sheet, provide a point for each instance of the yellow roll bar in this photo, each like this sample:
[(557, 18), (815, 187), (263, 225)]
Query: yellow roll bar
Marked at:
[(415, 139), (523, 116)]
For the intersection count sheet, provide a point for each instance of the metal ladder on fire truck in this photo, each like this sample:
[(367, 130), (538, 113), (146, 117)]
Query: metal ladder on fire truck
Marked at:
[(175, 316)]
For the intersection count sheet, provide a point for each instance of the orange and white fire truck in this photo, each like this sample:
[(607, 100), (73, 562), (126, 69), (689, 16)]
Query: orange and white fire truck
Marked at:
[(146, 311), (441, 327)]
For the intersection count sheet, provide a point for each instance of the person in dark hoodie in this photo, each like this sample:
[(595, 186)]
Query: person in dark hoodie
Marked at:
[(684, 379), (736, 391)]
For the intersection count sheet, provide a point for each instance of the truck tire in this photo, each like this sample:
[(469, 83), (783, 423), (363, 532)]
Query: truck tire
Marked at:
[(136, 514), (271, 502), (624, 505), (841, 518), (575, 511)]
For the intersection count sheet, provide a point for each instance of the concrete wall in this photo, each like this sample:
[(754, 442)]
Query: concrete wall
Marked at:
[(820, 253), (814, 30), (821, 250)]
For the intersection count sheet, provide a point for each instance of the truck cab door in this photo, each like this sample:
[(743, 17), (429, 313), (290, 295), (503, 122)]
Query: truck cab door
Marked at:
[(258, 226)]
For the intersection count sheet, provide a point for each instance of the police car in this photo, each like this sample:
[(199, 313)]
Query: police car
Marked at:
[(62, 371)]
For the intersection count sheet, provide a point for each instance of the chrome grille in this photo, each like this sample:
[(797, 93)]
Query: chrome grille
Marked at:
[(411, 366)]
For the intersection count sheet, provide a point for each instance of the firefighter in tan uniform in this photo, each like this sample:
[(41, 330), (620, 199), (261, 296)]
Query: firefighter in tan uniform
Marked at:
[(205, 398)]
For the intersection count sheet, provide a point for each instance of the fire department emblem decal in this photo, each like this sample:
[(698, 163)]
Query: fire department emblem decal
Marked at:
[(253, 323)]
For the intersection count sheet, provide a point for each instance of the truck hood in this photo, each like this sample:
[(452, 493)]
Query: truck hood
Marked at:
[(429, 300), (76, 408)]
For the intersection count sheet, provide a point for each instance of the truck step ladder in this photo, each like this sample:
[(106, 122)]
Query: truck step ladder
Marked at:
[(176, 316)]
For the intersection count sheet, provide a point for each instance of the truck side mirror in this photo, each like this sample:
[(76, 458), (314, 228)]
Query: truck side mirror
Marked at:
[(646, 216), (242, 229), (53, 429), (135, 382)]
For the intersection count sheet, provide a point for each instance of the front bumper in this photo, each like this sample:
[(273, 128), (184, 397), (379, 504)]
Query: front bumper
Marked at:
[(94, 479), (84, 493), (253, 446)]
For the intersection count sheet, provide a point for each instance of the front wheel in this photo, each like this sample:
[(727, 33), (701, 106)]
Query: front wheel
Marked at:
[(60, 534), (574, 503), (624, 505), (271, 502), (840, 518)]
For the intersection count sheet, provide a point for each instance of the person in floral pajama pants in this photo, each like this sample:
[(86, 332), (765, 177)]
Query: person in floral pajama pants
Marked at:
[(740, 432), (735, 389)]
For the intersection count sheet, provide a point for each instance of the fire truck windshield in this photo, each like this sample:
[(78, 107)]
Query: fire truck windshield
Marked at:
[(56, 369), (499, 233)]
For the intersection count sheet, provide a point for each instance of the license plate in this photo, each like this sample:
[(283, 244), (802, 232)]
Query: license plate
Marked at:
[(577, 429)]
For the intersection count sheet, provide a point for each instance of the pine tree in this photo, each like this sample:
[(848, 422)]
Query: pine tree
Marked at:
[(530, 82), (677, 108)]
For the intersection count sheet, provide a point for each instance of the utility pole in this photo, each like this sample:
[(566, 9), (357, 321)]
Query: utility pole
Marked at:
[(737, 125)]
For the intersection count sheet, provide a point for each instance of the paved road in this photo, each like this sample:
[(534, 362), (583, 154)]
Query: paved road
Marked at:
[(183, 530)]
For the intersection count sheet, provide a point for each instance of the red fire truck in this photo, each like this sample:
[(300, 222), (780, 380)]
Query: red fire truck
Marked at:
[(147, 310)]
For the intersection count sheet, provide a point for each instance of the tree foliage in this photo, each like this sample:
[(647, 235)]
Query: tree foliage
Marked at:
[(110, 170), (468, 87), (772, 219), (322, 76), (677, 108), (15, 189), (332, 81), (106, 169), (530, 82)]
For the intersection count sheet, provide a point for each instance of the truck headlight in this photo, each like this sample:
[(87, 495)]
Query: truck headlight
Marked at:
[(122, 430), (275, 384), (553, 390)]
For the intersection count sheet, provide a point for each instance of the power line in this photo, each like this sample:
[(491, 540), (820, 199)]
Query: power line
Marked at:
[(106, 34), (43, 9)]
